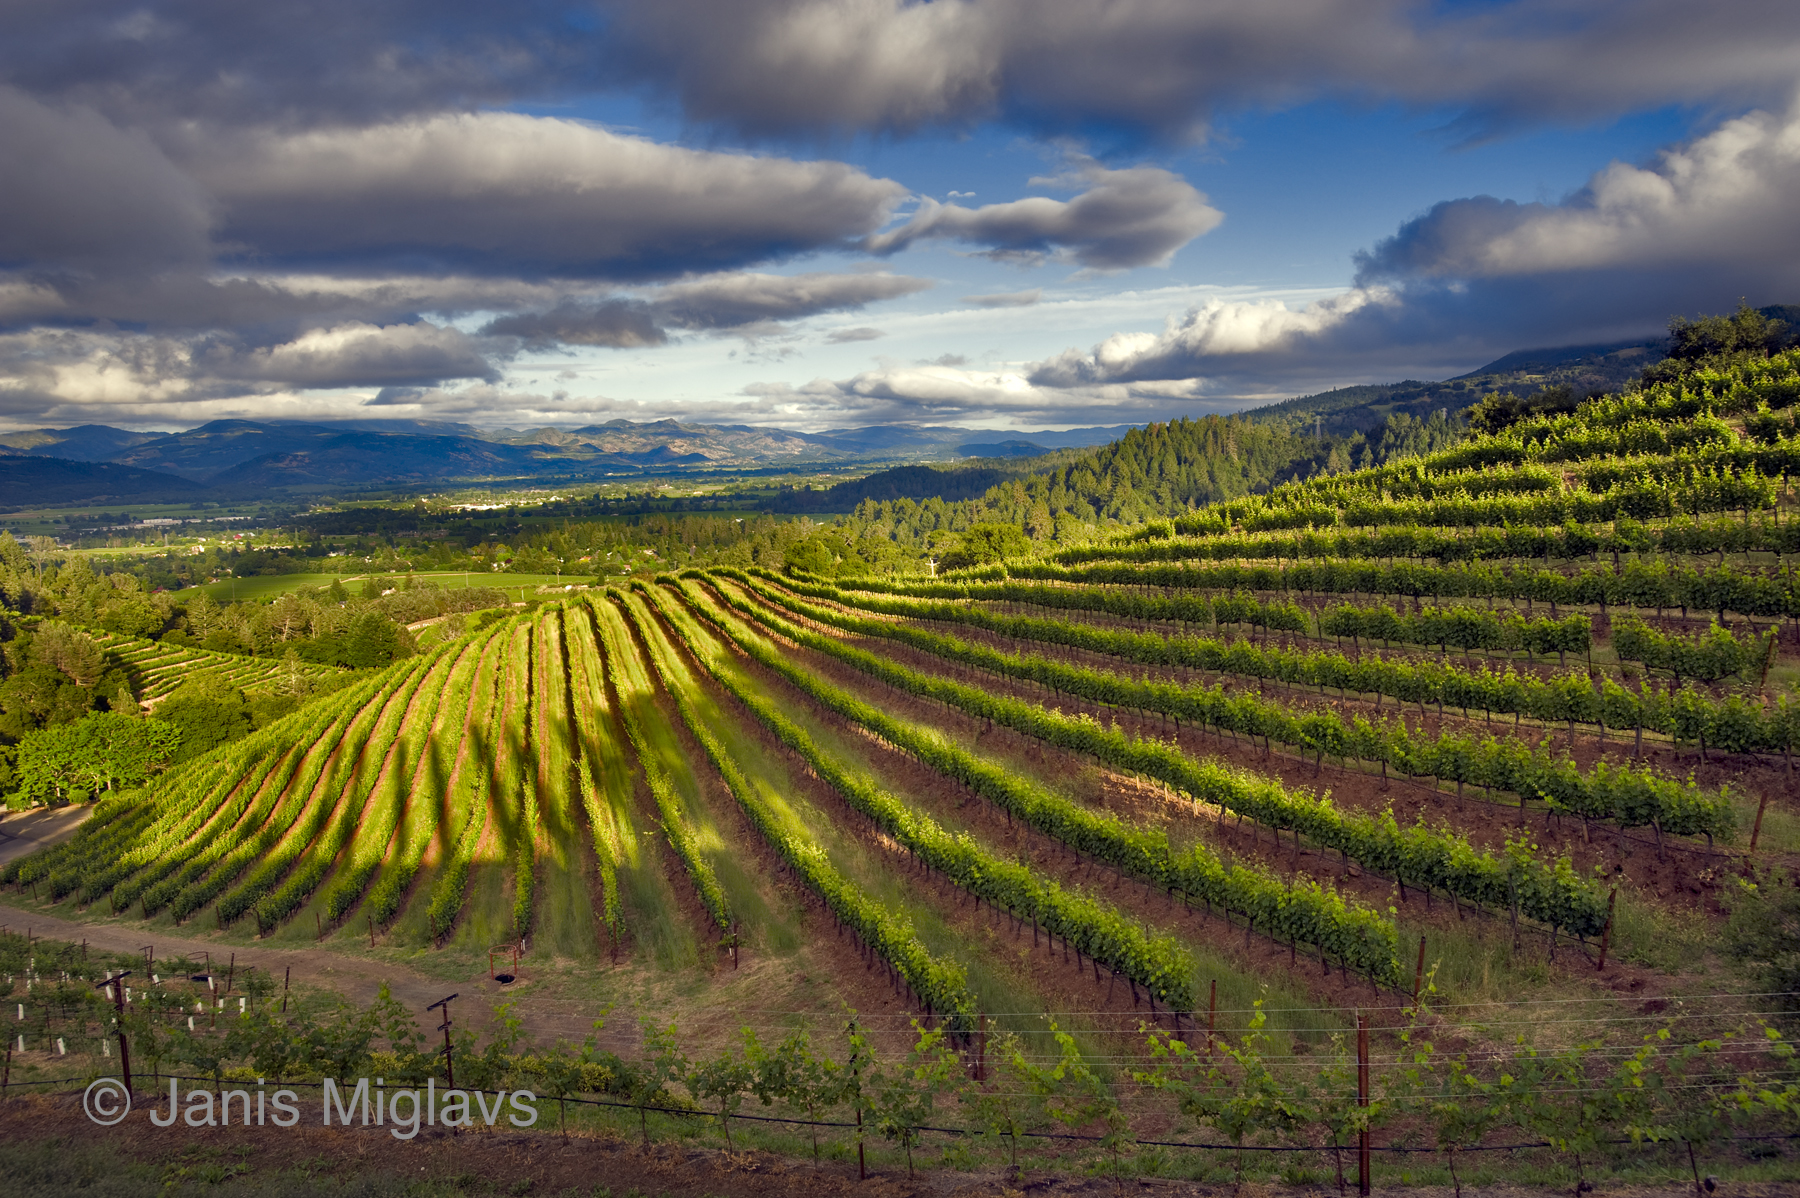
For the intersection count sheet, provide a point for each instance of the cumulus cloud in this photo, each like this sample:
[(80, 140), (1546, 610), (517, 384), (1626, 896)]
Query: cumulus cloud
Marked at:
[(514, 194), (1697, 227), (1006, 299), (96, 375), (1134, 217), (1727, 196), (360, 355), (784, 67), (1195, 343)]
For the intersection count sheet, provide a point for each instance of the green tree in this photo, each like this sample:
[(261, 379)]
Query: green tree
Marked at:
[(207, 713), (982, 544), (101, 751)]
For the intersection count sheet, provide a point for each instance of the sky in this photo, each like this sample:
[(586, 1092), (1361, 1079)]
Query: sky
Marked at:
[(1026, 214)]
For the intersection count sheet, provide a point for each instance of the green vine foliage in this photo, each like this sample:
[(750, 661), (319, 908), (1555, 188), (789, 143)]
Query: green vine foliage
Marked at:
[(1440, 859), (1306, 912), (1685, 713), (1091, 926), (668, 802), (1632, 796), (941, 985)]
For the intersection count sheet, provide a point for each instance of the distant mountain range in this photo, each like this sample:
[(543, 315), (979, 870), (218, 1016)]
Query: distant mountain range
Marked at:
[(232, 459), (228, 459)]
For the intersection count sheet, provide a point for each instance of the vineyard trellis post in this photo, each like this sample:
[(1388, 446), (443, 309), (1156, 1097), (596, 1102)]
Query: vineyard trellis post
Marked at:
[(1756, 829), (115, 984), (449, 1063), (1362, 1101)]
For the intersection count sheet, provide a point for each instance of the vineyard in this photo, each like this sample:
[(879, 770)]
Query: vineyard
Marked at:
[(156, 668), (1514, 719)]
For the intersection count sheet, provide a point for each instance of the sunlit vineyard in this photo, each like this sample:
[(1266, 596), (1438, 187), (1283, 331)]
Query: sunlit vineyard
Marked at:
[(1520, 713)]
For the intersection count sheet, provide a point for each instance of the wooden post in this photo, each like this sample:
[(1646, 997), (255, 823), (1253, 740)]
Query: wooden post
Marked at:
[(286, 976), (118, 988), (1362, 1100), (449, 1065), (1419, 972), (1606, 933), (1756, 829), (371, 931), (230, 972)]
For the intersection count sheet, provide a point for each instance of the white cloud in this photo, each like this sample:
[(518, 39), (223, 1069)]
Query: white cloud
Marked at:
[(1725, 197), (362, 355), (1701, 225)]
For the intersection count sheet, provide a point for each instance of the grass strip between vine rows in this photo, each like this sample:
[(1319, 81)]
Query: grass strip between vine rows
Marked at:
[(1630, 796), (346, 819), (320, 802), (370, 843), (1549, 894), (941, 985), (475, 779), (1306, 911), (419, 823), (634, 686), (609, 826), (518, 676)]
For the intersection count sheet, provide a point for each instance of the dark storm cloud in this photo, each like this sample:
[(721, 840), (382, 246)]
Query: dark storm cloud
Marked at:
[(1164, 67), (504, 193), (1124, 218), (743, 301), (81, 192), (619, 324), (300, 62), (730, 300)]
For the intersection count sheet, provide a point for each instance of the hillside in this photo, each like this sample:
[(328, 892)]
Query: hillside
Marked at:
[(1550, 669), (31, 480)]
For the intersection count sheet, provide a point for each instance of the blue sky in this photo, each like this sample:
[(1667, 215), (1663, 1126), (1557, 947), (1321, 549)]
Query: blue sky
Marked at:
[(777, 211)]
